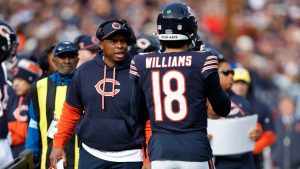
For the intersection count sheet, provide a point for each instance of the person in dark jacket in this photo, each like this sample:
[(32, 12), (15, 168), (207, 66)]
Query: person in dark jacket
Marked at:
[(27, 72), (285, 152), (240, 107), (99, 96), (88, 48), (242, 86), (8, 49)]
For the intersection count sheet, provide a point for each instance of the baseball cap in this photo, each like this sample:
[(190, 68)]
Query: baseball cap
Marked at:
[(108, 28), (242, 74), (27, 70), (65, 47), (85, 42)]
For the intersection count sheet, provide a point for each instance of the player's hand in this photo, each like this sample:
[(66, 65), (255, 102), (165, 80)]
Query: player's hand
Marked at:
[(254, 134), (209, 136), (146, 165), (55, 154)]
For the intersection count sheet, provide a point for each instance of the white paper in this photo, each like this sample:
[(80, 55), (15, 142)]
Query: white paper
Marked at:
[(230, 136)]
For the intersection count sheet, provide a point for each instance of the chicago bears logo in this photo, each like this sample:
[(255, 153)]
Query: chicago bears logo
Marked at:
[(116, 25), (81, 45), (99, 87), (143, 43), (234, 109), (17, 113), (4, 30)]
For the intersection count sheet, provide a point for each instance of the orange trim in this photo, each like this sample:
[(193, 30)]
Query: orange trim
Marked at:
[(103, 88), (18, 132), (114, 81), (267, 139), (148, 134), (34, 68), (66, 125)]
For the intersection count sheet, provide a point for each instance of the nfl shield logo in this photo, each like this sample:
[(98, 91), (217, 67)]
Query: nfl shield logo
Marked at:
[(179, 27), (159, 27)]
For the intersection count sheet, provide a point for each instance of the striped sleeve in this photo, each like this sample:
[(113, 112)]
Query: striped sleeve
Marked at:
[(210, 65), (133, 72)]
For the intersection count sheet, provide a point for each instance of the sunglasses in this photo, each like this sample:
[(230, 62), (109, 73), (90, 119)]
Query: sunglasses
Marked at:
[(66, 46), (227, 72)]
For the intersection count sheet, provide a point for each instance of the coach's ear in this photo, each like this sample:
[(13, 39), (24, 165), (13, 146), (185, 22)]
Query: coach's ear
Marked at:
[(101, 45)]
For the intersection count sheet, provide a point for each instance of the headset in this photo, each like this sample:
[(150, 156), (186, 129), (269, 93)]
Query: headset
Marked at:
[(124, 25)]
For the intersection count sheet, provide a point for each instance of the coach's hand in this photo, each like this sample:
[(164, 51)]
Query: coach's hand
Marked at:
[(146, 165), (55, 154), (254, 134)]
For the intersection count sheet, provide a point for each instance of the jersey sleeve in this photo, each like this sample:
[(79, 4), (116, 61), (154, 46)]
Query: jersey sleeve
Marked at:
[(210, 65), (74, 95), (134, 73), (218, 99), (138, 107)]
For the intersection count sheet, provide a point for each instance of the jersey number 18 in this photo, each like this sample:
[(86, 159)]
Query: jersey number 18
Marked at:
[(171, 95)]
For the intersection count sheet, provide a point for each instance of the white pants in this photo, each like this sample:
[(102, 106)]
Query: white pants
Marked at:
[(5, 153), (182, 165)]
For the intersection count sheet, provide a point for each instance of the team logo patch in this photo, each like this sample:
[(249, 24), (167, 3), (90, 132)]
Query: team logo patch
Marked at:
[(81, 45), (234, 109), (179, 27), (116, 25), (18, 115), (159, 27), (95, 40), (4, 30), (99, 87), (143, 43)]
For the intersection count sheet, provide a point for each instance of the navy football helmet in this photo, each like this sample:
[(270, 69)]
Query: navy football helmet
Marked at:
[(176, 21), (145, 43), (8, 41), (196, 43)]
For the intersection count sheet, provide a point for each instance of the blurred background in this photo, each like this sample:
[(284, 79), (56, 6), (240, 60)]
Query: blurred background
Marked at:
[(260, 35)]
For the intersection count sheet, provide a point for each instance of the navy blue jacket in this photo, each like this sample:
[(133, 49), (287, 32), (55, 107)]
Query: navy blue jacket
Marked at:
[(3, 104), (285, 151), (103, 93), (240, 107)]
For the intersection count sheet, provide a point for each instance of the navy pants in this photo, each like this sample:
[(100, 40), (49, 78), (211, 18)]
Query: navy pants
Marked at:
[(241, 161), (88, 161)]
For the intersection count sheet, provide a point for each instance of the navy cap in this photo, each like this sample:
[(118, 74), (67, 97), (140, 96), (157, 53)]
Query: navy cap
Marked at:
[(85, 42), (27, 70), (65, 47), (108, 28)]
